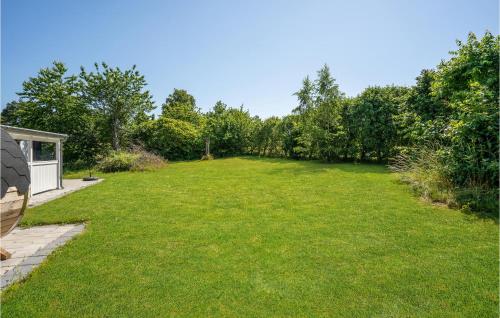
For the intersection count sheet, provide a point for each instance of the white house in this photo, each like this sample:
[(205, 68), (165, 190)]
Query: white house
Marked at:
[(43, 151)]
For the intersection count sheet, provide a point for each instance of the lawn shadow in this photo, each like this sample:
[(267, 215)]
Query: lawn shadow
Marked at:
[(469, 215), (297, 167), (315, 166), (474, 216)]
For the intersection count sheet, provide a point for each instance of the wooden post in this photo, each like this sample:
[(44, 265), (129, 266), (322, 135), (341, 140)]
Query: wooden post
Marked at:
[(4, 254), (30, 161), (59, 164)]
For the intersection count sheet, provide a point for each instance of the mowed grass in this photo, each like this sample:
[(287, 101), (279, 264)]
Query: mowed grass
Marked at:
[(247, 237)]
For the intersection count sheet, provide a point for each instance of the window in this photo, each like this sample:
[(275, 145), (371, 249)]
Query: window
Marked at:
[(24, 145), (44, 151)]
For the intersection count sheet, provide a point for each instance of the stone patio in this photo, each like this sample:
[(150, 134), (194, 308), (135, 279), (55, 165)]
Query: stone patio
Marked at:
[(69, 185), (30, 247)]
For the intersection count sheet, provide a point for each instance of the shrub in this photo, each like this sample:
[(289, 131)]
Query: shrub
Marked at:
[(171, 138), (427, 172), (117, 161), (146, 161), (136, 159), (76, 165)]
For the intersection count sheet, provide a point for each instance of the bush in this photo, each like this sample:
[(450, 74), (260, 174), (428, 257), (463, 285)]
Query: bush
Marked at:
[(146, 161), (424, 172), (171, 138), (134, 160), (478, 198), (428, 174), (76, 165), (117, 161)]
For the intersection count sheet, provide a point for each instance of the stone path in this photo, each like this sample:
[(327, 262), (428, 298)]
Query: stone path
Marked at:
[(69, 185), (29, 247)]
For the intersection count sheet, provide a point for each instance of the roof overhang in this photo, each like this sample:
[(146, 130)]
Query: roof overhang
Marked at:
[(32, 134)]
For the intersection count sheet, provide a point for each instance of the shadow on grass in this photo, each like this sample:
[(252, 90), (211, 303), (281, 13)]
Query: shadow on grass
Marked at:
[(296, 167), (24, 224), (473, 216), (315, 166)]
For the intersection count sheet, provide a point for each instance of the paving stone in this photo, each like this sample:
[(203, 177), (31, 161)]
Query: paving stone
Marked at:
[(30, 247), (43, 252), (5, 269), (69, 185), (22, 252), (10, 262), (33, 260), (7, 279), (23, 270)]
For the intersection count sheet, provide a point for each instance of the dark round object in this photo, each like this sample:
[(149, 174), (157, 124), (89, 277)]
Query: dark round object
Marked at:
[(90, 179), (15, 171)]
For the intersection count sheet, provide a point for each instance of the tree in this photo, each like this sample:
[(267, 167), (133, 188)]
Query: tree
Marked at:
[(268, 136), (305, 97), (304, 146), (52, 101), (181, 105), (230, 130), (423, 118), (468, 84), (289, 133), (172, 138), (117, 97), (375, 110), (326, 89), (10, 114), (421, 99), (329, 133)]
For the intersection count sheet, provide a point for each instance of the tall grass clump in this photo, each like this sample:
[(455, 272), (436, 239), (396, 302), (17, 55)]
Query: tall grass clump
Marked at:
[(427, 172), (145, 160), (426, 175)]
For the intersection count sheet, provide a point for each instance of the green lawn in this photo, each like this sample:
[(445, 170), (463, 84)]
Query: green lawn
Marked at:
[(260, 238)]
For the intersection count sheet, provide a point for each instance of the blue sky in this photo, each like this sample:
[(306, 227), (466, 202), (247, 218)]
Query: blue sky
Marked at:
[(254, 53)]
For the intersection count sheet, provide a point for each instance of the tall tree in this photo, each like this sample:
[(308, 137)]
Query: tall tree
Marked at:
[(181, 105), (268, 136), (329, 133), (305, 97), (375, 109), (117, 96), (304, 146), (421, 99), (230, 129), (326, 88), (469, 84), (52, 101), (10, 114)]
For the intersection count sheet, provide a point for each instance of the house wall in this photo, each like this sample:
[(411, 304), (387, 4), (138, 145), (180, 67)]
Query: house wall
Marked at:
[(45, 175)]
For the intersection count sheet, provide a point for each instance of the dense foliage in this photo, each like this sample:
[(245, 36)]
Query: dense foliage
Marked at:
[(449, 117), (117, 98), (134, 160)]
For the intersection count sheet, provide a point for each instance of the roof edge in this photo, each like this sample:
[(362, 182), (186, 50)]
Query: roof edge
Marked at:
[(42, 133)]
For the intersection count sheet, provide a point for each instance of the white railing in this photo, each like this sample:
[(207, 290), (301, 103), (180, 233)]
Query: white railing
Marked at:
[(43, 176)]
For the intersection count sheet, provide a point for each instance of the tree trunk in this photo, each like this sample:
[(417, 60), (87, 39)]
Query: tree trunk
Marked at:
[(115, 135), (207, 146)]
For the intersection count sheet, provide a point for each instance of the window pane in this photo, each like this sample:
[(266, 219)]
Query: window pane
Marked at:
[(44, 151), (23, 144)]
